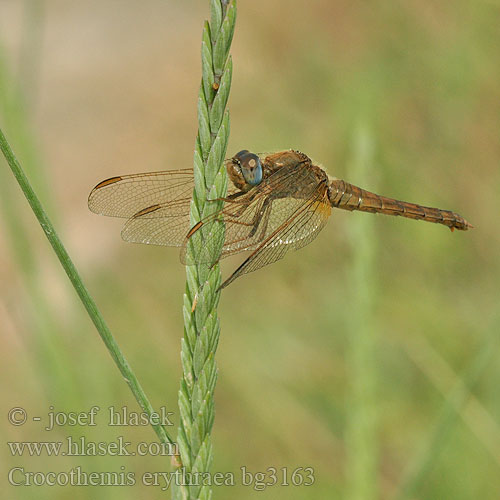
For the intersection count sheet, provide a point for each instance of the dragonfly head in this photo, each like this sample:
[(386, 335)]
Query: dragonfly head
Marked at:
[(250, 166)]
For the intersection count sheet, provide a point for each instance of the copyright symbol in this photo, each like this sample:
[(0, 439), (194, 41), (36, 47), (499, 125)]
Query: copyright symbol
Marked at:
[(17, 416)]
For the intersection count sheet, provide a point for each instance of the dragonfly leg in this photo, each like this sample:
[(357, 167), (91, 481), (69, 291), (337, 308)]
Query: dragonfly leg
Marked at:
[(237, 211), (231, 198), (260, 215)]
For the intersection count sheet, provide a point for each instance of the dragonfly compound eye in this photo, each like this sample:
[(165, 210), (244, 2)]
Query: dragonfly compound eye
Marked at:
[(251, 167), (241, 153)]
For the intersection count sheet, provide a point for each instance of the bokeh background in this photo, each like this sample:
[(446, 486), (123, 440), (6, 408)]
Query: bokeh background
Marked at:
[(369, 355)]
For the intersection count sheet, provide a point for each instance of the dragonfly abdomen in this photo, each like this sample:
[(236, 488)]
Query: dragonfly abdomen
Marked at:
[(349, 197)]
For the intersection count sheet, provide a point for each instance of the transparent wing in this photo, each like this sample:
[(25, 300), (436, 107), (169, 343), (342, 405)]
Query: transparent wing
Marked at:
[(276, 213), (250, 218), (130, 195), (156, 203), (298, 230)]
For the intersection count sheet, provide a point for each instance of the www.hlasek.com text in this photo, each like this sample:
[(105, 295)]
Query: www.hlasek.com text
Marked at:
[(84, 447)]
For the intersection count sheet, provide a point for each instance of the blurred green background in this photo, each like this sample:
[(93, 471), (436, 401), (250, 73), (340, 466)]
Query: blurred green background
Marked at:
[(343, 357)]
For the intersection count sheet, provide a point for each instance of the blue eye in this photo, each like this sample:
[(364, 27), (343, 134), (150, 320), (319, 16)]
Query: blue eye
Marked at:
[(251, 167)]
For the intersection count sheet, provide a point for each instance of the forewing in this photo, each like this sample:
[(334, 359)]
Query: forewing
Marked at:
[(129, 195), (297, 231), (252, 217)]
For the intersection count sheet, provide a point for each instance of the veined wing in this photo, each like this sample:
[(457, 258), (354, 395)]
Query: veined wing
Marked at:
[(156, 203), (253, 218), (129, 195), (298, 230)]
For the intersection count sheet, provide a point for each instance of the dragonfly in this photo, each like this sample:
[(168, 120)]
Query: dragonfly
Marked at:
[(275, 202)]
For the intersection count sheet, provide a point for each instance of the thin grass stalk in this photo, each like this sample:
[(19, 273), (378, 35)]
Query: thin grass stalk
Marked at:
[(449, 414), (361, 441), (201, 323), (80, 288)]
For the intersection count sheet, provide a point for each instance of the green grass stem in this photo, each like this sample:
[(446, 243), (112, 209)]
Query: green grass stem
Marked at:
[(201, 324)]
